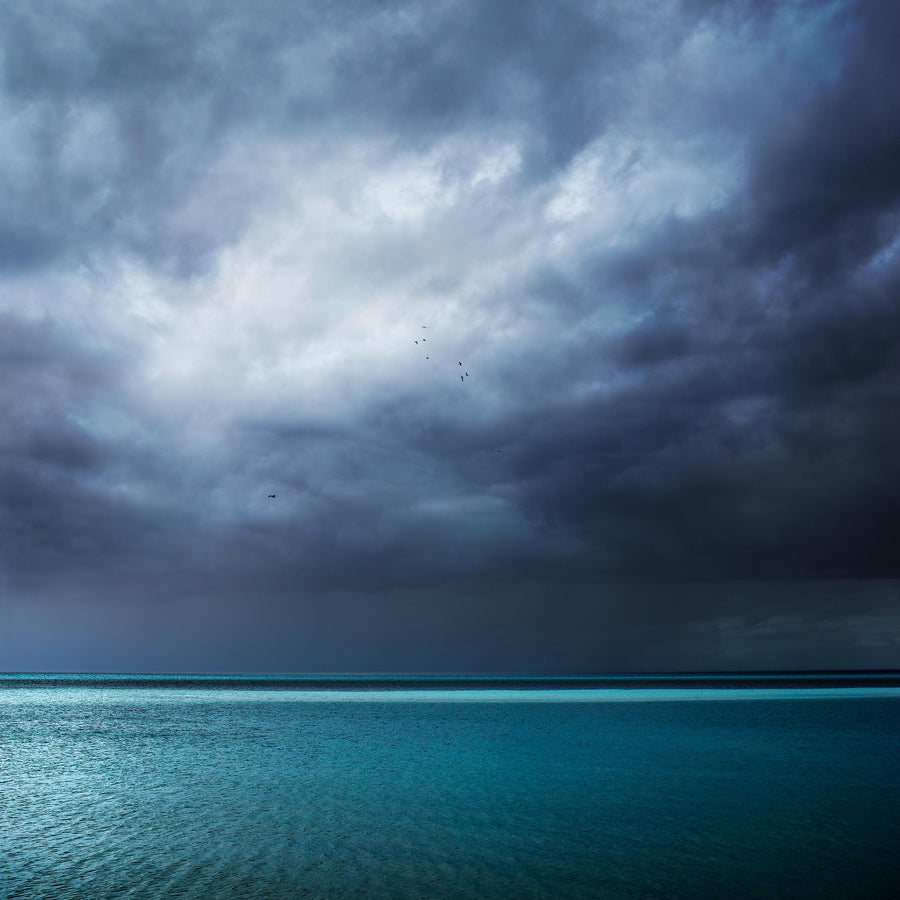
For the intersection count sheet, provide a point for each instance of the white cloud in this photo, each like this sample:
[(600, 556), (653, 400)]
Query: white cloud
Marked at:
[(621, 184)]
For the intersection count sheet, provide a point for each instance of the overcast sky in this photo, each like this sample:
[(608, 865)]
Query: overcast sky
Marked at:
[(661, 237)]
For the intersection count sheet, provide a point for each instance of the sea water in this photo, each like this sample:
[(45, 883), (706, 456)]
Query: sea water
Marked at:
[(205, 789)]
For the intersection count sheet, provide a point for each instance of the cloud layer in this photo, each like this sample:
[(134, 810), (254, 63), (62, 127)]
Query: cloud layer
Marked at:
[(662, 241)]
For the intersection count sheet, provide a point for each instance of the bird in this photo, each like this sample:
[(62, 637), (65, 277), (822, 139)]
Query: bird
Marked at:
[(461, 378), (460, 363), (467, 374), (424, 339), (271, 496), (427, 357), (424, 326), (415, 342)]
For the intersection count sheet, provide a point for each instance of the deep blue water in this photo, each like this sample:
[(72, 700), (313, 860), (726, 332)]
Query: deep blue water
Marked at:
[(201, 790)]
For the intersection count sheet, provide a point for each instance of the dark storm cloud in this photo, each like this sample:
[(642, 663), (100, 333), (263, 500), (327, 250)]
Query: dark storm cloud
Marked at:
[(156, 94), (722, 458), (824, 184), (663, 242), (528, 64), (755, 437), (119, 116)]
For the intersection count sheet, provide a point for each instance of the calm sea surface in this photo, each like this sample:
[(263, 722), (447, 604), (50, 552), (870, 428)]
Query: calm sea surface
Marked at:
[(220, 789)]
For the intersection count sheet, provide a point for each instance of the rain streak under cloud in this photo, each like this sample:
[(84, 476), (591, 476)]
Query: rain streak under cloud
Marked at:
[(661, 238)]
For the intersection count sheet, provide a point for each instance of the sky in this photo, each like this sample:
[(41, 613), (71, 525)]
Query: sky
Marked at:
[(648, 250)]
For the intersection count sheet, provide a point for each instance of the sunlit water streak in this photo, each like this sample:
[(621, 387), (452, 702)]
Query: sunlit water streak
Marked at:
[(143, 696), (219, 793)]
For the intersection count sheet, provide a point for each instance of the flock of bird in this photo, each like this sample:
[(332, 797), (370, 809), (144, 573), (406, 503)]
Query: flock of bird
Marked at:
[(462, 377), (419, 343), (424, 340)]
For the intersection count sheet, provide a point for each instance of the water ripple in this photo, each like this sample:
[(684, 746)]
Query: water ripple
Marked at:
[(148, 793)]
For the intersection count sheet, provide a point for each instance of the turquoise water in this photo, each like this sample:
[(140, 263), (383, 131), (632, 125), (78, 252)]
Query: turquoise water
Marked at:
[(217, 792)]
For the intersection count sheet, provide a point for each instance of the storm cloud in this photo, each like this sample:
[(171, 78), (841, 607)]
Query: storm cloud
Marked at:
[(661, 238)]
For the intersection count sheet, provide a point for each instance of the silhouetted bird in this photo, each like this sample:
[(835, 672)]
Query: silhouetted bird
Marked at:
[(271, 496), (460, 363), (461, 378), (427, 357), (467, 374), (415, 342)]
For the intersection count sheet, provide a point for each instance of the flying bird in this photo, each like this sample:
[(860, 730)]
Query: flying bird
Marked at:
[(461, 378), (460, 363), (467, 374), (271, 496), (415, 342)]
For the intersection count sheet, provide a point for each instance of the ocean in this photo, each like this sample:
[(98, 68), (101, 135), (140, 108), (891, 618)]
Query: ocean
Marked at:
[(230, 787)]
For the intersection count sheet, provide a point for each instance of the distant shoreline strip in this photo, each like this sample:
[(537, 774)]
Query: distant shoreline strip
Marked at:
[(381, 685)]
